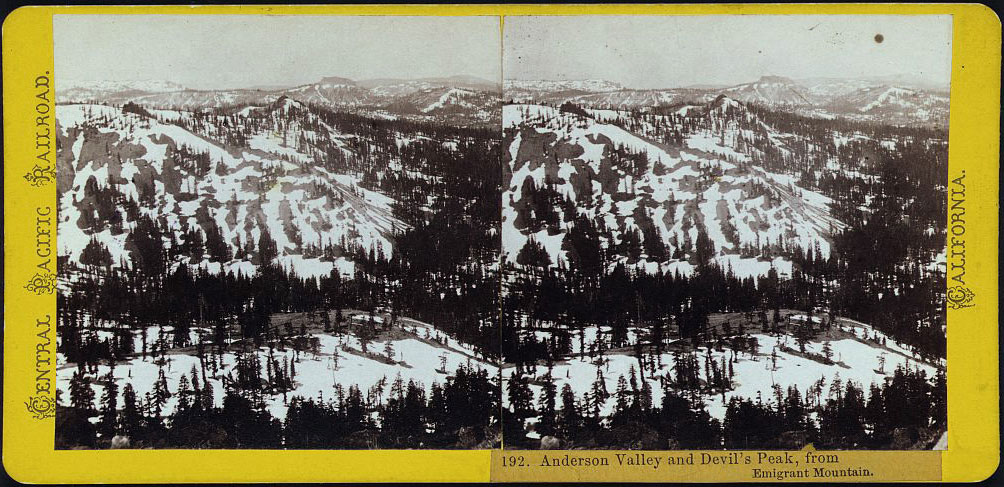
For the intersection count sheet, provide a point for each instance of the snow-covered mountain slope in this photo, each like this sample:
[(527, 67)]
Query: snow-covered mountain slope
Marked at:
[(332, 91), (550, 85), (397, 87), (455, 97), (72, 89), (892, 104), (412, 350), (652, 196), (445, 103), (842, 86), (118, 167), (639, 99), (832, 88), (857, 352), (187, 100), (770, 90)]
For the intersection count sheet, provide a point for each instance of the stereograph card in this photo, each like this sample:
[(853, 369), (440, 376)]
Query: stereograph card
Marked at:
[(501, 243)]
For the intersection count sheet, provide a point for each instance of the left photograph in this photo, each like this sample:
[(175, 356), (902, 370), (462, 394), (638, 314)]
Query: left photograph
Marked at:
[(278, 232)]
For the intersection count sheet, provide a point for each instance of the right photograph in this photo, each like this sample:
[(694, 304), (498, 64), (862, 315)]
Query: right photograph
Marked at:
[(725, 232)]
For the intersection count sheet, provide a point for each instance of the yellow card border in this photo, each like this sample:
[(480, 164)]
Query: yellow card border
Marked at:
[(973, 423)]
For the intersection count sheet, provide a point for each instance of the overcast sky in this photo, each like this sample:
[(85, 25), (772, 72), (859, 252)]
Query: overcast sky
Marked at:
[(673, 51), (231, 51)]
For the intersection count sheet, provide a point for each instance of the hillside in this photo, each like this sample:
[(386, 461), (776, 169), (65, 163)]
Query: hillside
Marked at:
[(652, 199), (122, 167)]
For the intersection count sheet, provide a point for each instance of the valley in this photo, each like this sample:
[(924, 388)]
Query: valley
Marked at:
[(677, 268), (728, 270), (257, 274)]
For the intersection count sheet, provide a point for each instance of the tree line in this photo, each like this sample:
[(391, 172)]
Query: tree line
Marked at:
[(905, 411), (448, 415)]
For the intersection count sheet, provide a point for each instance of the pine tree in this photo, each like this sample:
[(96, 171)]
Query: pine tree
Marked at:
[(130, 419), (109, 406), (207, 396), (267, 249), (622, 395), (184, 395), (645, 397), (520, 396), (161, 393), (570, 417), (547, 404), (388, 351), (598, 392), (81, 394)]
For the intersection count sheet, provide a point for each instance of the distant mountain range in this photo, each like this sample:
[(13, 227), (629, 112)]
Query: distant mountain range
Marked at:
[(888, 100), (896, 100), (462, 98)]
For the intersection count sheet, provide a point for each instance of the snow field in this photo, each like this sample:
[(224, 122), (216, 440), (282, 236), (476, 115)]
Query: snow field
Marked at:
[(316, 375), (854, 361)]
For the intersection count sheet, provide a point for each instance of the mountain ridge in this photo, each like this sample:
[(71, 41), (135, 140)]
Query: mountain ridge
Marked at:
[(817, 97), (383, 97)]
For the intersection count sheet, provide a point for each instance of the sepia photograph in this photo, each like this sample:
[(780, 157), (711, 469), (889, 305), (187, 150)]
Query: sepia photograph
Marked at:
[(588, 232), (725, 232), (501, 243), (278, 232)]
